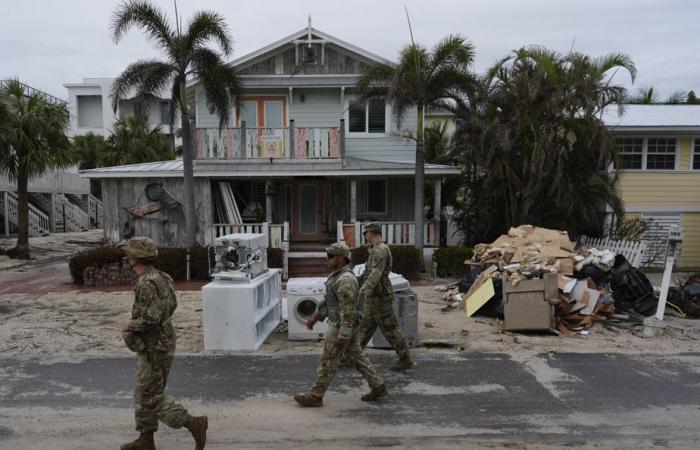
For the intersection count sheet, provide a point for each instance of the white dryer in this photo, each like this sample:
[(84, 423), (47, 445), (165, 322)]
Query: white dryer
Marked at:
[(303, 295)]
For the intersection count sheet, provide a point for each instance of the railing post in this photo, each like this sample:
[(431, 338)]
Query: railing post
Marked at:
[(291, 139), (342, 142), (353, 200), (437, 214), (244, 138), (341, 235), (266, 231)]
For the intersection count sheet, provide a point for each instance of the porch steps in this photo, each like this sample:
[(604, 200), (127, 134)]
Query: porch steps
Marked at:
[(307, 267)]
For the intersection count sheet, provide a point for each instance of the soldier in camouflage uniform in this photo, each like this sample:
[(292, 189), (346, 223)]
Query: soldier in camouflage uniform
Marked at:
[(151, 335), (340, 306), (377, 294)]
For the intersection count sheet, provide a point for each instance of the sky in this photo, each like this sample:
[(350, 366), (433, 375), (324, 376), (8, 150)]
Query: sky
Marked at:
[(51, 42)]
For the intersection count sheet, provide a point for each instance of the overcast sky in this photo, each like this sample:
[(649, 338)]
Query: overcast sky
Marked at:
[(51, 42)]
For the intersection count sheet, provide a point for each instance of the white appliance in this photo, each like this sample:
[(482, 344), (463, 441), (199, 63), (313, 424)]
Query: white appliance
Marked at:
[(240, 256), (240, 315), (303, 295)]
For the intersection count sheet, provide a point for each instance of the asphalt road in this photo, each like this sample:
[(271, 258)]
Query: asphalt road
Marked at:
[(467, 400)]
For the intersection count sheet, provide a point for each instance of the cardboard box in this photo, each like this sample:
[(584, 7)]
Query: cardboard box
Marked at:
[(525, 306)]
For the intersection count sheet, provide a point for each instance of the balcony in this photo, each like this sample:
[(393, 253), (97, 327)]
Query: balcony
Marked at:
[(309, 143)]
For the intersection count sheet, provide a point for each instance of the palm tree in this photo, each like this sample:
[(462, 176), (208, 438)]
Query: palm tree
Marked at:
[(90, 149), (133, 141), (186, 55), (423, 80), (33, 141)]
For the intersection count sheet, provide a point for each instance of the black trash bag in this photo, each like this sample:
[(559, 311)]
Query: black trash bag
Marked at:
[(631, 289), (598, 275), (470, 277)]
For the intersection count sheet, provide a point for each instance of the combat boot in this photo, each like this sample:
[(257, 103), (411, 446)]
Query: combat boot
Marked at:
[(198, 427), (376, 394), (309, 400), (143, 442), (402, 363)]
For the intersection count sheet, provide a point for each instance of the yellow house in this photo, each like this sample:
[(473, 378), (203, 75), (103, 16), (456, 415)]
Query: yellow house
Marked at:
[(659, 148)]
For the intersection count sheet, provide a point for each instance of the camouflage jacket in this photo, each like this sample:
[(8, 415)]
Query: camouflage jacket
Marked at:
[(374, 280), (340, 303), (154, 303)]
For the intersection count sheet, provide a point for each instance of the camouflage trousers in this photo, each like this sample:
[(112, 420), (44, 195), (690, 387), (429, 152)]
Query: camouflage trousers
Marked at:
[(328, 365), (152, 404), (378, 312)]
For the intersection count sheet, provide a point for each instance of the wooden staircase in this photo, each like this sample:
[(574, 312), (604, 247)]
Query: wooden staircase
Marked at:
[(307, 260), (39, 223)]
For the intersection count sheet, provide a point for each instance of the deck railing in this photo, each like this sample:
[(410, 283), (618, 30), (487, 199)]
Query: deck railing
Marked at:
[(264, 143), (393, 233)]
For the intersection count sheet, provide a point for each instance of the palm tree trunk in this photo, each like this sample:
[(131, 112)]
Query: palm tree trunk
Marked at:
[(21, 251), (420, 184), (188, 170)]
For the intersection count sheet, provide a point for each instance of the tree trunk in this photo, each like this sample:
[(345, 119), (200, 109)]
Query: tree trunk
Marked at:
[(420, 184), (188, 170), (21, 251)]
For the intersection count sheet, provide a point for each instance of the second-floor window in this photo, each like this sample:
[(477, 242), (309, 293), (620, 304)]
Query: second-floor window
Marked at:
[(653, 153), (367, 117), (165, 112), (696, 154)]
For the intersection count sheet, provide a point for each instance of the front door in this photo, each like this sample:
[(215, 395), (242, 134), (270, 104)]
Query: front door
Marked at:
[(307, 210)]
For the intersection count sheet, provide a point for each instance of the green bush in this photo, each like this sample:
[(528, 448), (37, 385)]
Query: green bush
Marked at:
[(450, 261), (406, 259), (98, 257)]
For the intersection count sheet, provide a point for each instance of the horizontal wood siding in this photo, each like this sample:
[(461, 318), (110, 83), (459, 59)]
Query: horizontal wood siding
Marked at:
[(389, 147), (320, 108), (690, 252), (165, 227), (660, 190)]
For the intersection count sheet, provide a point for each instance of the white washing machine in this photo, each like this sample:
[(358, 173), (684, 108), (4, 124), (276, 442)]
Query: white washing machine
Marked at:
[(303, 295)]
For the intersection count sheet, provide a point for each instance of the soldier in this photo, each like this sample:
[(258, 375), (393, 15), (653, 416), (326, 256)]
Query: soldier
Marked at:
[(151, 335), (377, 295), (341, 307)]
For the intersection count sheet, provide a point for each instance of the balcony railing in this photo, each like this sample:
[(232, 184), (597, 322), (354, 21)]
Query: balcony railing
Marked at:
[(264, 143)]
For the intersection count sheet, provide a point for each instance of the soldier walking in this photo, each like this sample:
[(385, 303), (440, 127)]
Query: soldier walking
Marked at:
[(151, 335), (340, 305), (377, 295)]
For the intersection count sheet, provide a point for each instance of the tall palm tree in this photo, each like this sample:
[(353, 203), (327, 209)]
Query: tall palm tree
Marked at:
[(421, 79), (186, 55), (33, 140)]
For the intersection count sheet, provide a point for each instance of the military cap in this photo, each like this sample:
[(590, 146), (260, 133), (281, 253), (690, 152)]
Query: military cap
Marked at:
[(338, 249), (373, 227), (139, 247)]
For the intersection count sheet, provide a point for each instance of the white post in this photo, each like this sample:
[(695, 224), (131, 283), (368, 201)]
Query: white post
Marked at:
[(353, 200), (437, 213), (6, 208), (266, 231), (341, 236), (665, 283)]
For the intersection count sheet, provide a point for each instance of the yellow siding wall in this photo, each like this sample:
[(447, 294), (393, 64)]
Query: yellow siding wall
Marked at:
[(690, 251), (662, 190), (685, 144)]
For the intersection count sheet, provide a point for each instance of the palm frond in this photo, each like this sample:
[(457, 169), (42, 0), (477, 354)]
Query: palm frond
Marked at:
[(142, 78), (153, 21), (221, 86), (208, 25)]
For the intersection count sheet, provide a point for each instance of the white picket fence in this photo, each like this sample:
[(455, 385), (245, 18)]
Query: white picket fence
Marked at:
[(634, 252), (393, 233)]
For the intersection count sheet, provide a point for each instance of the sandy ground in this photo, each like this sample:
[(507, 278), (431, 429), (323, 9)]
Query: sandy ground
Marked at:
[(70, 325)]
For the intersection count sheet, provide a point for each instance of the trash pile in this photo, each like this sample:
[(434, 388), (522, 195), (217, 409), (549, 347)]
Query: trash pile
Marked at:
[(536, 279)]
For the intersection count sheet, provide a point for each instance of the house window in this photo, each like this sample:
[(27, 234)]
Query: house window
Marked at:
[(696, 155), (367, 117), (165, 112), (90, 111), (376, 196), (631, 152), (661, 153)]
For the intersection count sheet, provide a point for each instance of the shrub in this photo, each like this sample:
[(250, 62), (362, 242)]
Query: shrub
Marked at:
[(450, 261), (98, 257), (406, 259)]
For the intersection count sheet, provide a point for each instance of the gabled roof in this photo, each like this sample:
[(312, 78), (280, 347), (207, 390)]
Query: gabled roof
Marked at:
[(263, 168), (653, 117), (301, 34)]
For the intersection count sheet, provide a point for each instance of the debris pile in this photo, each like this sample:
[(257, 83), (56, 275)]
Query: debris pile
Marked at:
[(537, 279)]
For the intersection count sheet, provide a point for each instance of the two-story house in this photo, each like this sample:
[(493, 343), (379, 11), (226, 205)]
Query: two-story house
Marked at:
[(301, 153), (659, 148)]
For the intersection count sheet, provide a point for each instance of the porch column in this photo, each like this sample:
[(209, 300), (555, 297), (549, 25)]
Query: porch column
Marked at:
[(353, 200), (244, 149), (438, 210), (292, 132), (269, 191)]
